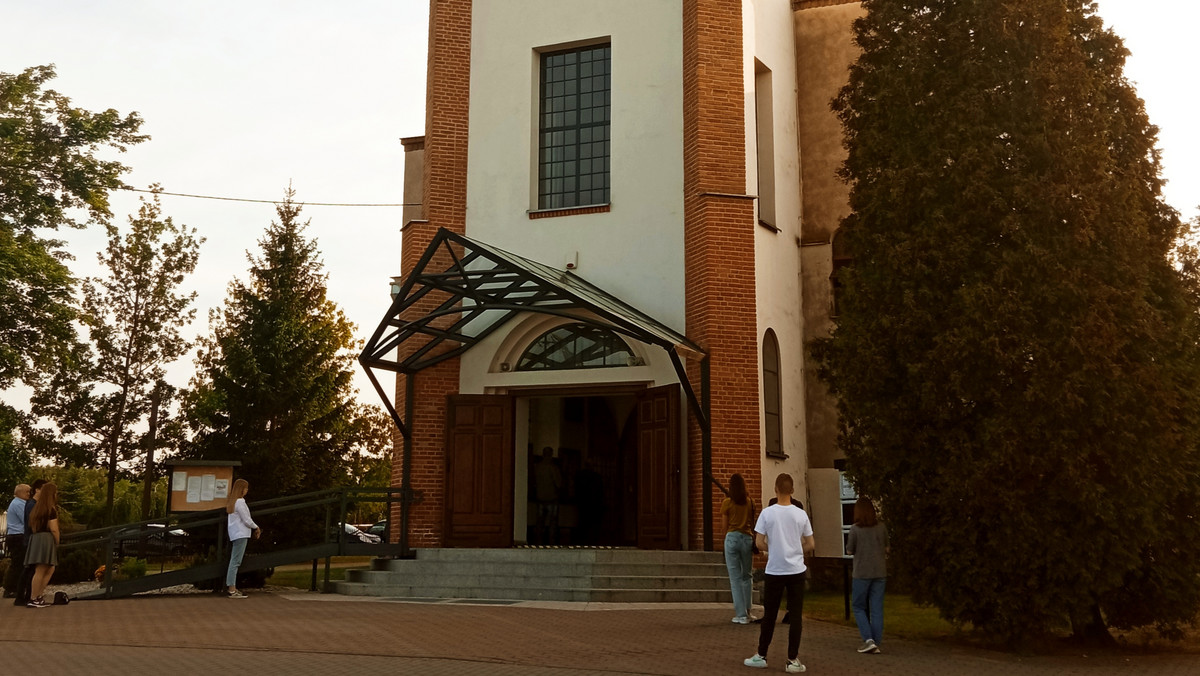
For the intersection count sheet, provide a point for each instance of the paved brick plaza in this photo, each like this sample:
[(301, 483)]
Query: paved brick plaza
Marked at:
[(303, 633)]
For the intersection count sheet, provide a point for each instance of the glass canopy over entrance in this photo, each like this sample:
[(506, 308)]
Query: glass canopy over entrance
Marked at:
[(462, 290)]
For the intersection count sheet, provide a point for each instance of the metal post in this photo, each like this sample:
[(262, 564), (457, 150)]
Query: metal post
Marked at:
[(222, 529), (706, 455), (846, 584), (406, 463), (337, 541)]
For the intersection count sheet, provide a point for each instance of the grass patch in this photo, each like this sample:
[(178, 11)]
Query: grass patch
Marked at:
[(299, 575), (901, 617), (904, 619)]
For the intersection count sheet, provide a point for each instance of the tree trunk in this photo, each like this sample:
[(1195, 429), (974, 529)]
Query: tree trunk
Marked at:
[(1090, 628), (151, 441)]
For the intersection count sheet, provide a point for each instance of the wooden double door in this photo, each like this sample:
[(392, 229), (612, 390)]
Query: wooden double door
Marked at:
[(480, 461)]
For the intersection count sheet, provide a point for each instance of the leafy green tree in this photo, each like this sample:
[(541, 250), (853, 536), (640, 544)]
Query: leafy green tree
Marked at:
[(15, 457), (1015, 358), (273, 389), (134, 316), (83, 495), (369, 460), (50, 177)]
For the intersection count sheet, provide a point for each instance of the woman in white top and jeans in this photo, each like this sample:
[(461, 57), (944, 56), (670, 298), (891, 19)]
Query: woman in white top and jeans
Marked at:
[(240, 527)]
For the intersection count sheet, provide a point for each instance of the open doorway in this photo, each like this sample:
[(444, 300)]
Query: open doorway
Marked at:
[(585, 493), (602, 469), (611, 476)]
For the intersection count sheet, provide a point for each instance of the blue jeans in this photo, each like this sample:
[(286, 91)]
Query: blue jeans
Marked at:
[(737, 560), (867, 600), (235, 560)]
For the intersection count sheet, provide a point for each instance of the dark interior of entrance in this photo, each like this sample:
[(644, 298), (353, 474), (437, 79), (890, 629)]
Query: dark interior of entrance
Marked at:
[(594, 464)]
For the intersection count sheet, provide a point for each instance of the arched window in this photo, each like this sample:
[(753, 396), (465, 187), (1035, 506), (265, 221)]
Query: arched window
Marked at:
[(771, 396), (575, 346)]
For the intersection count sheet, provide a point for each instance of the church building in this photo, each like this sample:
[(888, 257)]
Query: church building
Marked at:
[(621, 237)]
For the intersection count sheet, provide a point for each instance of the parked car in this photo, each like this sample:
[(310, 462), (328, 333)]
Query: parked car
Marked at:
[(379, 528), (353, 534), (150, 540)]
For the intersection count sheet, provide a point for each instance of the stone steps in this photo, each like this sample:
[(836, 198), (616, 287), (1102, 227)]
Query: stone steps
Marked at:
[(547, 574)]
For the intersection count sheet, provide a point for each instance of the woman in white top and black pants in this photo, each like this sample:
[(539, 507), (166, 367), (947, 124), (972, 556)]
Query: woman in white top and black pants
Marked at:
[(240, 528)]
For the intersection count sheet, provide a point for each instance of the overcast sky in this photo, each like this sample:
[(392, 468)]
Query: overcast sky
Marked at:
[(242, 97)]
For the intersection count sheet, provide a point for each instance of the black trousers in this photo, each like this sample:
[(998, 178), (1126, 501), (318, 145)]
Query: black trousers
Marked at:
[(25, 588), (16, 563), (773, 591)]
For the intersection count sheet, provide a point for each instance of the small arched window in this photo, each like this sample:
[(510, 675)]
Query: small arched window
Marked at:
[(773, 428), (575, 346)]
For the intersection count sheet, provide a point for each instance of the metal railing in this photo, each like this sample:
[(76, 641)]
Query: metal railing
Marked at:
[(207, 543)]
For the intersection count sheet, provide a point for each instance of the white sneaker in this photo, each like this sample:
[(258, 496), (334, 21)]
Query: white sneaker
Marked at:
[(236, 594), (758, 661), (794, 667), (741, 620), (868, 646)]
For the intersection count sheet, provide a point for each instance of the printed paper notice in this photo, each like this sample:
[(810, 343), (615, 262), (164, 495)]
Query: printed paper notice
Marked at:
[(193, 489), (208, 487), (222, 491), (179, 481)]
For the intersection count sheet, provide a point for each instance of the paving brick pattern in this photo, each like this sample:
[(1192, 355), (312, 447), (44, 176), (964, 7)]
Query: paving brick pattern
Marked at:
[(300, 634)]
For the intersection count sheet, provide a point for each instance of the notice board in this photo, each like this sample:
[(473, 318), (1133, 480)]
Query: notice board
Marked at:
[(197, 486)]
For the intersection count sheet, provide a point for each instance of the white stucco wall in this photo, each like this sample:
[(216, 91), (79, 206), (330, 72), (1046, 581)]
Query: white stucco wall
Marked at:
[(769, 37), (635, 251)]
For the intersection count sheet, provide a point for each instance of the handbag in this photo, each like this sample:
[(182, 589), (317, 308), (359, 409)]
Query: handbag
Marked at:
[(753, 540)]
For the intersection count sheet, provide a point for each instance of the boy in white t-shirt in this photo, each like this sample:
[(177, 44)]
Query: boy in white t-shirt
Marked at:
[(784, 532)]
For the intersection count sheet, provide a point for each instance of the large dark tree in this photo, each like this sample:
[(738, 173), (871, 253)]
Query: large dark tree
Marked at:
[(274, 385), (134, 315), (50, 177), (1015, 358)]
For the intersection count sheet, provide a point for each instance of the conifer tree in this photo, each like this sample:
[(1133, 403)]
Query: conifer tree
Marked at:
[(274, 386), (1015, 358)]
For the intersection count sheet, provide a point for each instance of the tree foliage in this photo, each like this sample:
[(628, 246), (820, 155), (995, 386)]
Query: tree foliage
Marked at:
[(274, 383), (50, 177), (1015, 358), (83, 491), (369, 463), (134, 316), (15, 457)]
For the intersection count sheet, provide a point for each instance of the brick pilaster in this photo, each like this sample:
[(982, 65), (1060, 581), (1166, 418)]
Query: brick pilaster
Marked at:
[(719, 247), (445, 200)]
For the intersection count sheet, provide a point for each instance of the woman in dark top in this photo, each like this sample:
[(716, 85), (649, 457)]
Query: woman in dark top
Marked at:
[(42, 548), (868, 543)]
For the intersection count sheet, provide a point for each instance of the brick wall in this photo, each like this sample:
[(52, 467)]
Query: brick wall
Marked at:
[(445, 199), (719, 249)]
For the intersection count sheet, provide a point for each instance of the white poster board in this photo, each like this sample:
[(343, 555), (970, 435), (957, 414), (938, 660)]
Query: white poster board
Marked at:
[(193, 489)]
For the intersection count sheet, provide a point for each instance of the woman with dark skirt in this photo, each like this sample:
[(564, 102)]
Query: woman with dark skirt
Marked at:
[(42, 548)]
